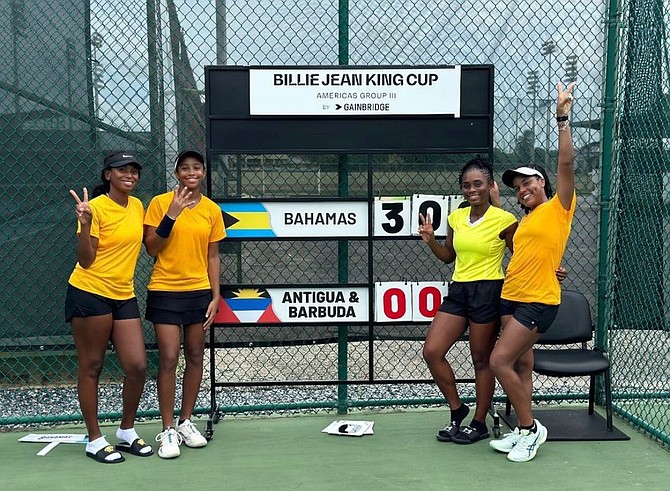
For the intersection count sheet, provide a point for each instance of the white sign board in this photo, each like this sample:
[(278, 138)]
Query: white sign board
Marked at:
[(435, 206), (345, 427), (438, 207), (455, 200), (289, 91), (53, 440), (426, 299), (313, 304), (392, 216), (251, 220), (393, 301), (400, 301)]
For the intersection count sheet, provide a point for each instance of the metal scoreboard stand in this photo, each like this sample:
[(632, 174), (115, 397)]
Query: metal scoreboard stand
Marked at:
[(335, 110)]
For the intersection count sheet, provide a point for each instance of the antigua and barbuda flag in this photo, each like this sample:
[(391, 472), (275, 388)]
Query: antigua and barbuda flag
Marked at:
[(245, 305)]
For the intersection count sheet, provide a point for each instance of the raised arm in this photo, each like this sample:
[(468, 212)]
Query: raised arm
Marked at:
[(494, 195), (565, 185)]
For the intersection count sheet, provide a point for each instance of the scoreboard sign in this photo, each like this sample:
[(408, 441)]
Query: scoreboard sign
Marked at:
[(250, 219), (392, 216), (355, 91), (394, 301), (345, 109)]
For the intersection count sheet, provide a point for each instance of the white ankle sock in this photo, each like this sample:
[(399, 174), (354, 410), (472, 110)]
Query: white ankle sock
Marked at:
[(128, 435), (96, 445)]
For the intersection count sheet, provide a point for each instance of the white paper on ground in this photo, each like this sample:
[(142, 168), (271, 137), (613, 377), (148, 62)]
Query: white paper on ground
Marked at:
[(349, 428), (60, 438), (47, 449), (53, 440)]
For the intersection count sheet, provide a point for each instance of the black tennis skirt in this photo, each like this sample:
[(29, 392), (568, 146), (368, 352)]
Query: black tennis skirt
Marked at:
[(177, 308)]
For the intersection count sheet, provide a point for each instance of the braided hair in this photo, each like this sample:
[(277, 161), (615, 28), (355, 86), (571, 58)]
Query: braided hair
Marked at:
[(480, 163)]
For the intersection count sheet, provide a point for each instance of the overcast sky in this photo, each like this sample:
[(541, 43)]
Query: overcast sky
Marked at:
[(291, 32)]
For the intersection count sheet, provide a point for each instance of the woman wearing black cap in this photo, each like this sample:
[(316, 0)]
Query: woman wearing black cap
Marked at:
[(531, 293), (182, 231), (100, 302)]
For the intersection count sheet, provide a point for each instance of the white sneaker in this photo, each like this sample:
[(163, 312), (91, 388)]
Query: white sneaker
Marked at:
[(168, 443), (507, 442), (190, 434), (526, 447)]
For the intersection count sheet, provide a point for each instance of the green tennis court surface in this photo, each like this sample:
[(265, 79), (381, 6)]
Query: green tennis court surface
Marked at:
[(284, 453)]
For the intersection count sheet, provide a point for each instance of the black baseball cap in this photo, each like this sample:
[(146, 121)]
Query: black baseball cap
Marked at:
[(188, 153), (120, 159)]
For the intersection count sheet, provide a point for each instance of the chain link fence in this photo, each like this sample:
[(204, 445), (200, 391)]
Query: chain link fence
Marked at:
[(80, 78)]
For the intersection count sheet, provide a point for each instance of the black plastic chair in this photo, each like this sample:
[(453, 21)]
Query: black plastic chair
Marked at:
[(573, 325)]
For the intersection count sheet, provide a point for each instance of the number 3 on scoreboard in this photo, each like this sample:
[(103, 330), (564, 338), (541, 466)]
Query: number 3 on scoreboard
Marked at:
[(392, 216)]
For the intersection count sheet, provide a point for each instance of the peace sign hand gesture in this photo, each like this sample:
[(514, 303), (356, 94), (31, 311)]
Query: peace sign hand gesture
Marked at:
[(426, 228), (82, 210), (564, 99), (182, 199)]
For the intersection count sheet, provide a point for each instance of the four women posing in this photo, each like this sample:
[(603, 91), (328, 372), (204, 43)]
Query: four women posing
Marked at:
[(182, 229)]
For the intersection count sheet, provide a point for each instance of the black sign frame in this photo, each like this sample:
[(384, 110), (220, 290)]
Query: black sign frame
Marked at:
[(231, 129)]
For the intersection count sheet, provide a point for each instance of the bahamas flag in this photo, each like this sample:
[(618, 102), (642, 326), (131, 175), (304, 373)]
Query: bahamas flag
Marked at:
[(245, 305), (246, 220)]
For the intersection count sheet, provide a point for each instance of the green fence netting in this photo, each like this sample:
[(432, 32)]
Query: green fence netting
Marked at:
[(80, 78)]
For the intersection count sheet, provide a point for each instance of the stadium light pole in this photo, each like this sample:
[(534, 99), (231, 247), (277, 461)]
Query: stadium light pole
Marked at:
[(548, 48), (571, 65), (532, 86), (96, 43)]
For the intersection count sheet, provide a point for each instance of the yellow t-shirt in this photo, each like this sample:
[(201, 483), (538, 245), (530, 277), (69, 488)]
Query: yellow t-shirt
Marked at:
[(181, 265), (539, 244), (119, 233), (479, 248)]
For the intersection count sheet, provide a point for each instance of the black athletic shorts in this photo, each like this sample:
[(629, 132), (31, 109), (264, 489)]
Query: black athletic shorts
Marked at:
[(478, 301), (178, 308), (531, 314), (80, 303)]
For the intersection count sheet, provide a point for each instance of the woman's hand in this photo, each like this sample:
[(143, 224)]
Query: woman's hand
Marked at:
[(212, 309), (494, 194), (182, 199), (82, 210), (426, 228), (561, 274), (564, 99)]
